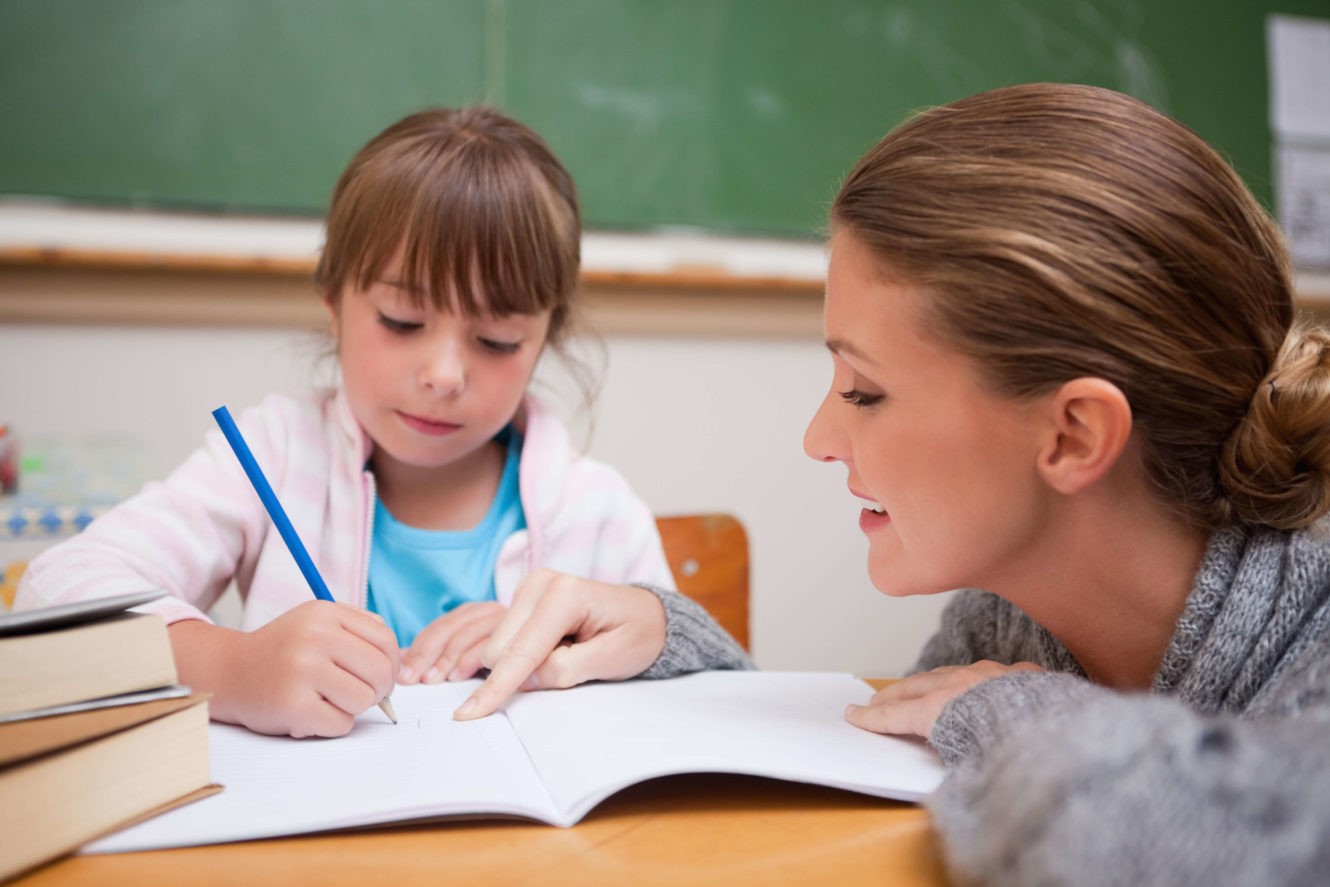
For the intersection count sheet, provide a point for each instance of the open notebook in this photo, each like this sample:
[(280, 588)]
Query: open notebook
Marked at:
[(549, 756)]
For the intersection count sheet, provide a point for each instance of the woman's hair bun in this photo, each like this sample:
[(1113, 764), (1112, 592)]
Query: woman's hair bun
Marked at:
[(1275, 466)]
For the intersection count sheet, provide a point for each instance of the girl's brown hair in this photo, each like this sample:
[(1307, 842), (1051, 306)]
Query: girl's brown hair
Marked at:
[(1063, 231), (485, 214)]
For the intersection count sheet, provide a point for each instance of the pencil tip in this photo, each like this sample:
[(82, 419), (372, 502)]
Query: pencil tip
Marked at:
[(387, 706)]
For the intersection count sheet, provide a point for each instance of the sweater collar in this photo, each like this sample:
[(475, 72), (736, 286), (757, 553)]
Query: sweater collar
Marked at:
[(1258, 599)]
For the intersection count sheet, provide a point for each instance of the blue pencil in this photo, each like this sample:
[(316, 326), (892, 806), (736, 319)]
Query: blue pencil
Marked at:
[(279, 518), (269, 498)]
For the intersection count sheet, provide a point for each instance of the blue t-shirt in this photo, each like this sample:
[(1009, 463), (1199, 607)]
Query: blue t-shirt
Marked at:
[(415, 575)]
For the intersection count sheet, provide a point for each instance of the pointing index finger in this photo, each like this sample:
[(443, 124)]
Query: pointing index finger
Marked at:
[(526, 652)]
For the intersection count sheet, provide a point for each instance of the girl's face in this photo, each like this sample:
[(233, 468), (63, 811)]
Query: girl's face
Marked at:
[(430, 387), (947, 469)]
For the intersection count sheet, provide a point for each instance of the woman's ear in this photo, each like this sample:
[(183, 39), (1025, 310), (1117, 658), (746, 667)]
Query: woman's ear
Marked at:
[(1090, 424)]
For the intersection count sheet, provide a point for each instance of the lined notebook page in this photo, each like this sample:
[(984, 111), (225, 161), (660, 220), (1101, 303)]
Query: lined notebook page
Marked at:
[(426, 765)]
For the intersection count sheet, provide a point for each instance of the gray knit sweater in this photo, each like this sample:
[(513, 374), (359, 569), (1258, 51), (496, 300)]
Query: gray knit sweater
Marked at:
[(1219, 776), (693, 640)]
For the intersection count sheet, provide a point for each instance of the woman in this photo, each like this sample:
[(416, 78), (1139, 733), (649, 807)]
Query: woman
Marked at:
[(1067, 372)]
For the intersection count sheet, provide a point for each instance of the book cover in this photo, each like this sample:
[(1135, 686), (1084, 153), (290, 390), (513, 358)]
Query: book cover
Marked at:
[(78, 776), (78, 652)]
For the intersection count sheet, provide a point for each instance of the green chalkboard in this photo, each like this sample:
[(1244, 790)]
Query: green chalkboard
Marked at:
[(725, 115), (229, 104)]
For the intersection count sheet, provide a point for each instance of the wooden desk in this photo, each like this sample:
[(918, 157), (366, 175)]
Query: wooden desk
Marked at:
[(676, 831), (672, 832)]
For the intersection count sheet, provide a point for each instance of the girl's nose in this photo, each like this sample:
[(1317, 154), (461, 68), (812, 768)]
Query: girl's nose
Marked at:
[(444, 371)]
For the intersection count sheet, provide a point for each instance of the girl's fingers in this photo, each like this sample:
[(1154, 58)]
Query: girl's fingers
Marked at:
[(363, 675), (467, 663), (371, 628), (432, 654), (464, 648), (318, 718)]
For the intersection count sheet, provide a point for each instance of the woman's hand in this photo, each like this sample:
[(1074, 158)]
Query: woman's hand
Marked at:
[(450, 647), (911, 705), (308, 672), (561, 631)]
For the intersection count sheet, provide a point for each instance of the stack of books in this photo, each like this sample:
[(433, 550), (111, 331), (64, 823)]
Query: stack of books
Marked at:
[(94, 731)]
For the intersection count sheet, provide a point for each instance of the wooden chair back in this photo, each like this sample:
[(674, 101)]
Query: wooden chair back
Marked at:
[(708, 554)]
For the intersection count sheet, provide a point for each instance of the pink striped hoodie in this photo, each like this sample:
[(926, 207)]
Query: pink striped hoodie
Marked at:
[(204, 526)]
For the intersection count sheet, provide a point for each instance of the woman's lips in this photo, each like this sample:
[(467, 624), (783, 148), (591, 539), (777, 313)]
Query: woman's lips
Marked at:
[(873, 516), (870, 520), (427, 426)]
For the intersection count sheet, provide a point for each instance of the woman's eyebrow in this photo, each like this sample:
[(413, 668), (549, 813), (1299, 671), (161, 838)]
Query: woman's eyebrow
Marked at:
[(842, 346)]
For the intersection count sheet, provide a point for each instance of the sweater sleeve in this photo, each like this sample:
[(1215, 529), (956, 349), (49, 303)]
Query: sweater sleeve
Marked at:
[(1057, 781), (693, 640)]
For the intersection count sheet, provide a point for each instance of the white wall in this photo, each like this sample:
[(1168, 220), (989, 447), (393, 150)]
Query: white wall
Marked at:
[(695, 425)]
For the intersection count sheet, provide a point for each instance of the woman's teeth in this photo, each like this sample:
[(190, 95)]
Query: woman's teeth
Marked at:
[(873, 506)]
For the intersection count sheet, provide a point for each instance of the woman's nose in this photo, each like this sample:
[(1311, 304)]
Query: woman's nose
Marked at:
[(821, 439)]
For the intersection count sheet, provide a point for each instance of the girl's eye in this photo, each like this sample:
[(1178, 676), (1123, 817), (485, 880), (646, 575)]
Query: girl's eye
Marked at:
[(498, 347), (859, 398), (398, 326)]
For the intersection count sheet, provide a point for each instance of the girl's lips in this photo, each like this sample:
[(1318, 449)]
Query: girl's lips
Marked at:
[(425, 426)]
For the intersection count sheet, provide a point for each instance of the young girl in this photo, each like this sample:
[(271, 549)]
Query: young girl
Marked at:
[(1067, 371), (425, 487)]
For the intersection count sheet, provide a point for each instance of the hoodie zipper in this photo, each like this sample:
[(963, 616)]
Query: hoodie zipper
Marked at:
[(367, 540)]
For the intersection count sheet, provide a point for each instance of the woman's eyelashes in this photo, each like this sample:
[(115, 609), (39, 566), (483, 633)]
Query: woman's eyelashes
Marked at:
[(858, 398)]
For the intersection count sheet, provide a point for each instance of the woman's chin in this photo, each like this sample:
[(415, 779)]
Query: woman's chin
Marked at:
[(891, 586), (892, 583)]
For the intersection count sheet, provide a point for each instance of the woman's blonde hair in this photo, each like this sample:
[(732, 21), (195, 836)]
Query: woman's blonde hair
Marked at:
[(484, 212), (1063, 231)]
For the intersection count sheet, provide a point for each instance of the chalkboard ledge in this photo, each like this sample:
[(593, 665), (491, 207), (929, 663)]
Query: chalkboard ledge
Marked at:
[(70, 263), (36, 232), (64, 263)]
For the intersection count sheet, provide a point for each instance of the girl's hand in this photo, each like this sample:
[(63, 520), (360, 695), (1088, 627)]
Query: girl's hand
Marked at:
[(911, 705), (562, 631), (450, 647), (309, 672)]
